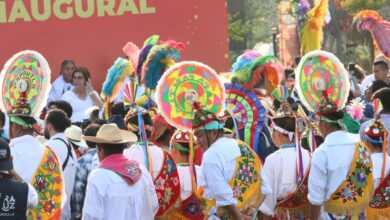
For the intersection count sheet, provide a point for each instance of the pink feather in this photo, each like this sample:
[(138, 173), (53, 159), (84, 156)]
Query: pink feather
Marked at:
[(180, 46), (132, 51), (380, 29)]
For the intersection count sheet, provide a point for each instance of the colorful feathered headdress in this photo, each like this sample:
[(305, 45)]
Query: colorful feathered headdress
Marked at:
[(159, 59), (265, 72), (380, 29), (311, 32), (244, 62), (116, 75), (143, 54)]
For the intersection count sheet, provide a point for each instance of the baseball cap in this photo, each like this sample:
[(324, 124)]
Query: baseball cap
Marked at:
[(5, 156)]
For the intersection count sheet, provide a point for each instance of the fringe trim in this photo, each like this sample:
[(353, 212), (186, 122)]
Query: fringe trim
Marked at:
[(350, 209), (293, 213), (376, 214)]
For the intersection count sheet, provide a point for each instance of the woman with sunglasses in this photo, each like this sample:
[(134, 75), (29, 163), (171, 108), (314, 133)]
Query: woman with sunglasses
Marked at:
[(82, 96)]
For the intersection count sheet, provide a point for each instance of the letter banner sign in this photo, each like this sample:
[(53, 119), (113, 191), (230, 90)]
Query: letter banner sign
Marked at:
[(94, 32)]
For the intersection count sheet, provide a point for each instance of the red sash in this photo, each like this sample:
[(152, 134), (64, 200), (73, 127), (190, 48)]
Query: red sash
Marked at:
[(380, 201), (167, 185), (296, 205)]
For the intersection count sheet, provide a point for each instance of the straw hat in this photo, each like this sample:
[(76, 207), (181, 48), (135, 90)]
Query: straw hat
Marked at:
[(111, 134), (74, 134)]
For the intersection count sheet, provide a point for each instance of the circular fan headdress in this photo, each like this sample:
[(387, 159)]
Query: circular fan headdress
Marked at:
[(25, 76), (322, 82), (265, 72), (184, 84), (247, 110)]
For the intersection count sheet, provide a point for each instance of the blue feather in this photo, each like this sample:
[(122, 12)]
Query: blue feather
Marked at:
[(113, 76), (155, 67)]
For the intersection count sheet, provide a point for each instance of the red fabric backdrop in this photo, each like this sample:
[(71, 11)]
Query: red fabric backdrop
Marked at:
[(95, 42)]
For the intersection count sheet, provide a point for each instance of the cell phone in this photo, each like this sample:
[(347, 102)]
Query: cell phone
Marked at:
[(352, 67)]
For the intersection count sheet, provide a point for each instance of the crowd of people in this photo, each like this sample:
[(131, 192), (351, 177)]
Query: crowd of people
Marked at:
[(77, 163)]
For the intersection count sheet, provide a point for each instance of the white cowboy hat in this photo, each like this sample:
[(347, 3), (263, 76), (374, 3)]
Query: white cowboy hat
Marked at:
[(74, 134), (111, 134)]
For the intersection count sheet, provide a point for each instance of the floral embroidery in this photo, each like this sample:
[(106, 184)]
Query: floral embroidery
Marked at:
[(133, 169), (246, 175), (48, 183), (381, 197), (160, 184), (364, 155), (357, 179), (356, 189), (167, 185), (193, 208), (348, 193), (295, 206)]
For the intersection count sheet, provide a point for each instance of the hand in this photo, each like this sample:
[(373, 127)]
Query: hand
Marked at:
[(88, 87)]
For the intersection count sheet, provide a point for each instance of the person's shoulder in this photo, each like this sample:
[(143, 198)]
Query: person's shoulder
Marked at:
[(68, 94)]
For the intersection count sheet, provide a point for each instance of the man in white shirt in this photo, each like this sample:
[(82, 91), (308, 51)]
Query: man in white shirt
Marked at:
[(331, 164), (219, 166), (119, 189), (56, 122), (63, 83), (30, 157)]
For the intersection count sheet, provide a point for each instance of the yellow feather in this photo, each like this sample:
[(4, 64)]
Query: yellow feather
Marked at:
[(311, 32)]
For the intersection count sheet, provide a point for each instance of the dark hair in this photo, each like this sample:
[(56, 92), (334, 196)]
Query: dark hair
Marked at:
[(2, 118), (84, 71), (147, 121), (91, 130), (359, 73), (58, 119), (305, 144), (377, 85), (334, 116), (110, 149), (382, 64), (66, 62), (384, 95), (63, 105), (118, 109), (288, 72), (287, 123), (29, 120)]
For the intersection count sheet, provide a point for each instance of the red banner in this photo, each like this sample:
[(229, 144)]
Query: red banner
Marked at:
[(93, 32)]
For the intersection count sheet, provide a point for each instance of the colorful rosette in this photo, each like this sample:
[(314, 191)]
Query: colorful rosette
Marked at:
[(248, 111), (321, 78), (182, 85), (29, 73)]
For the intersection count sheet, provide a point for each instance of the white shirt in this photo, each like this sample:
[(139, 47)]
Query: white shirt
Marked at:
[(109, 196), (61, 150), (58, 88), (32, 199), (79, 106), (377, 160), (366, 82), (218, 168), (330, 166), (281, 170), (27, 154), (136, 152), (186, 181)]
